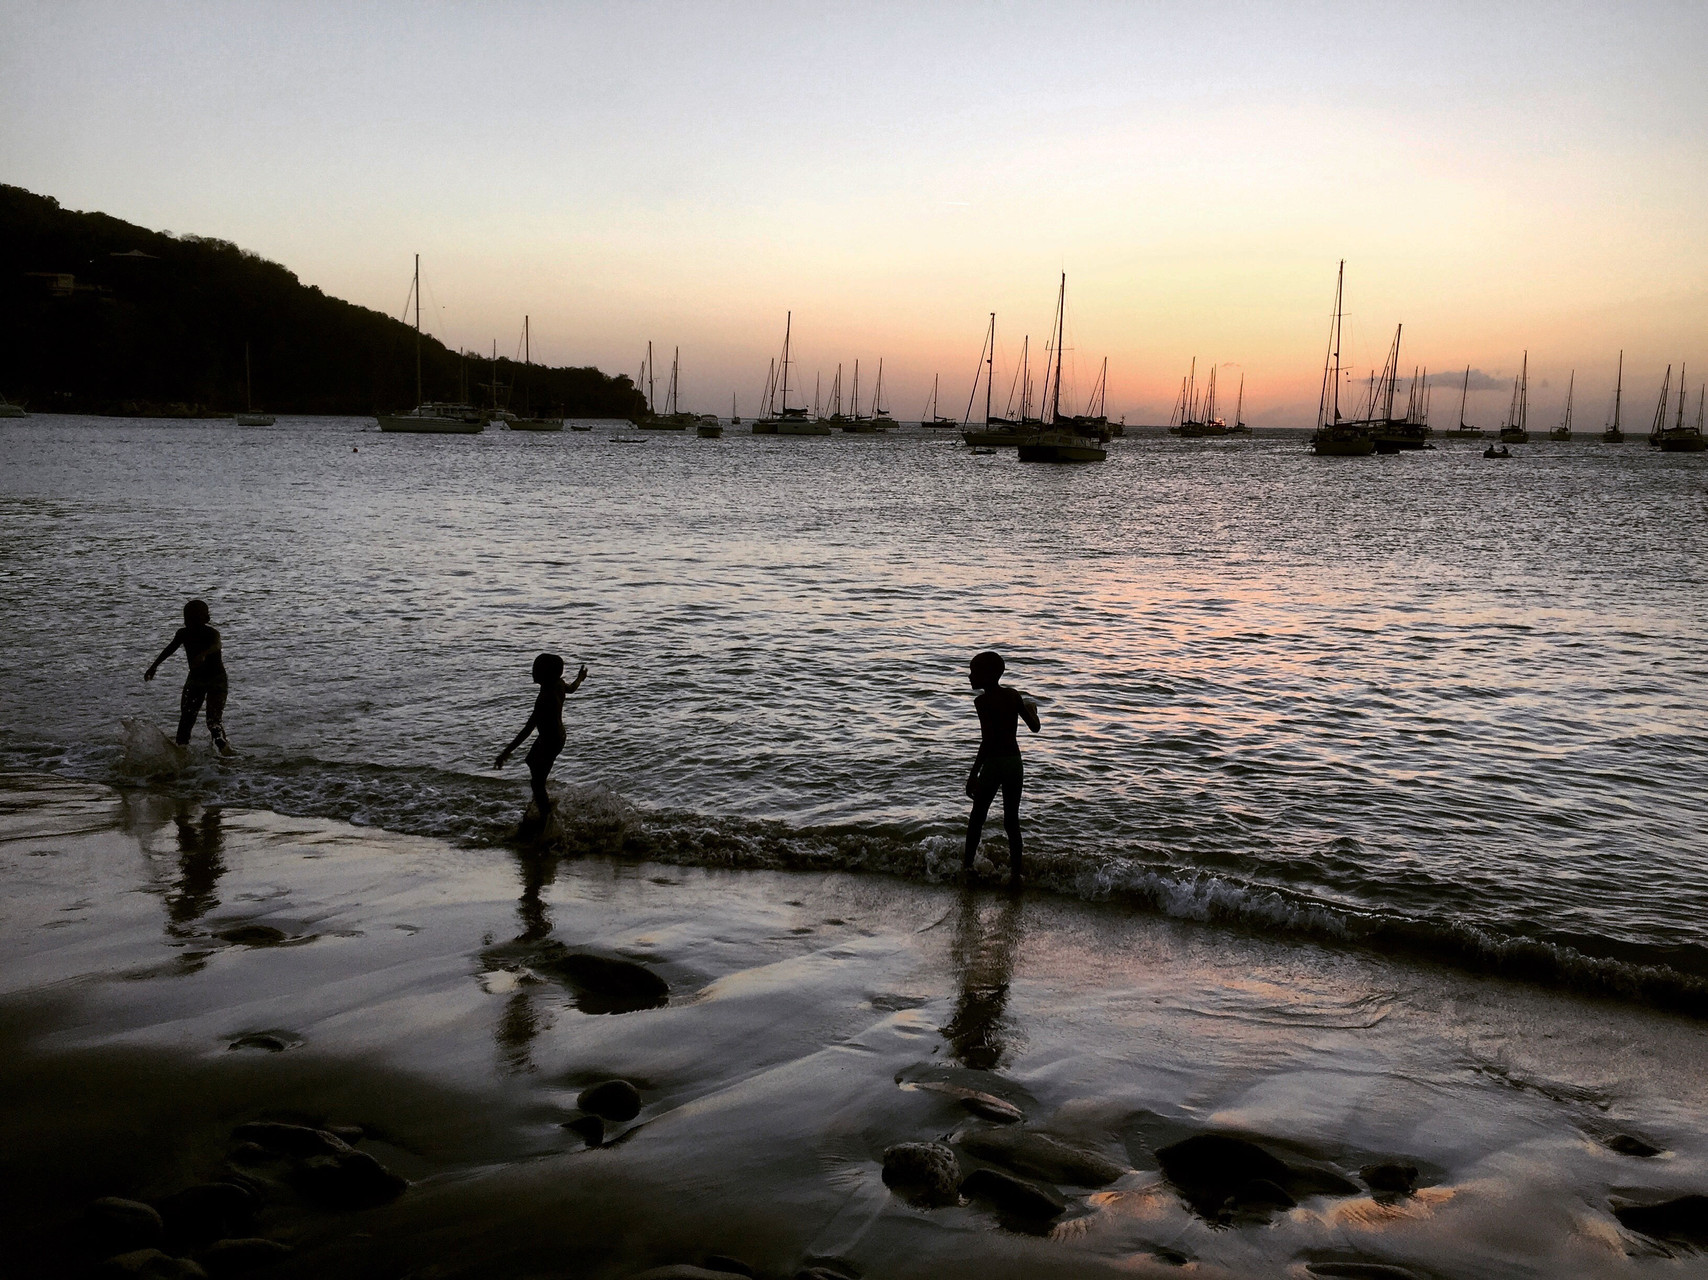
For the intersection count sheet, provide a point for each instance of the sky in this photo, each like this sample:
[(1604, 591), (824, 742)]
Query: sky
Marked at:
[(1499, 178)]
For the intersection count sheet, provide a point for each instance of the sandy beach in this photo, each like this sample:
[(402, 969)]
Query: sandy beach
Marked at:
[(384, 1042)]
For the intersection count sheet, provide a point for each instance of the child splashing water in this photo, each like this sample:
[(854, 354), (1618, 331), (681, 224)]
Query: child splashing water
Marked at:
[(206, 681), (547, 719), (997, 765)]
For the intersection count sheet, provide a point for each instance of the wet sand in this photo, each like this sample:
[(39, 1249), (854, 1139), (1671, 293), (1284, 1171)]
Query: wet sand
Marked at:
[(169, 974)]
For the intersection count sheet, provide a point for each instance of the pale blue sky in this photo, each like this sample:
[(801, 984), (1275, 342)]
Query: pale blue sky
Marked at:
[(1498, 176)]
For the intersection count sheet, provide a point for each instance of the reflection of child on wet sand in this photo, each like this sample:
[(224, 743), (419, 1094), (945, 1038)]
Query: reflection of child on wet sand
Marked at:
[(997, 765), (547, 720), (206, 681)]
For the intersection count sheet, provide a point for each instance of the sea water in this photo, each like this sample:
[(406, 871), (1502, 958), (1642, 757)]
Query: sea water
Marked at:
[(1422, 703)]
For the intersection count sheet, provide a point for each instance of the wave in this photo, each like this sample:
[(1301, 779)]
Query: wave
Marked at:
[(595, 821)]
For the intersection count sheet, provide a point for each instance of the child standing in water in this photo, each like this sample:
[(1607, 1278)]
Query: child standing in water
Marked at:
[(997, 765), (206, 681), (547, 719)]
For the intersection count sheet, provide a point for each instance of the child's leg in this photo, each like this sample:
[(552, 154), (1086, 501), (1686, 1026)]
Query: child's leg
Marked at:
[(189, 706), (216, 716), (983, 793), (1011, 788), (537, 772)]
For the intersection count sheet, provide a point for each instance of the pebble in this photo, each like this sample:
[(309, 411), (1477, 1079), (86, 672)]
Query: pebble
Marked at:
[(591, 1129), (1626, 1145), (290, 1139), (923, 1172), (613, 1099), (207, 1211), (1012, 1195), (237, 1257), (253, 935), (121, 1226), (1685, 1218), (349, 1180), (150, 1264), (1042, 1156), (1390, 1177)]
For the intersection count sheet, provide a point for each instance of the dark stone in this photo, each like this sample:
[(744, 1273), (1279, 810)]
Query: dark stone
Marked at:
[(824, 1271), (290, 1139), (992, 1108), (925, 1173), (1390, 1178), (238, 1257), (613, 1099), (1012, 1195), (680, 1271), (122, 1226), (250, 1153), (267, 1040), (150, 1264), (725, 1263), (1260, 1193), (351, 1133), (253, 935), (1626, 1145), (591, 1129), (206, 1212), (1041, 1156), (1210, 1168), (349, 1180), (1213, 1170), (1685, 1218), (601, 984), (1360, 1270)]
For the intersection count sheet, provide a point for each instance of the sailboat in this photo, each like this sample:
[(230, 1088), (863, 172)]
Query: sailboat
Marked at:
[(996, 431), (249, 418), (855, 424), (780, 419), (672, 419), (881, 419), (1391, 433), (1094, 422), (1060, 442), (431, 417), (1613, 435), (527, 421), (1239, 428), (1677, 438), (931, 418), (1188, 419), (734, 414), (1513, 430), (1335, 438), (1464, 429), (1564, 430)]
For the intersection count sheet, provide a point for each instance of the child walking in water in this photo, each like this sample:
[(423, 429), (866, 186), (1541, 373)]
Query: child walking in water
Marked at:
[(206, 681), (997, 765), (547, 719)]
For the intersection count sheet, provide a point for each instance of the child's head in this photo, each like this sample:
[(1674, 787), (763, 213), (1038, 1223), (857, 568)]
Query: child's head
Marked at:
[(986, 669), (196, 613), (548, 666)]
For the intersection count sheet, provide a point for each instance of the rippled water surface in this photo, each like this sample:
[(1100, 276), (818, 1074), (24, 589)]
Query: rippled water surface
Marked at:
[(1425, 699)]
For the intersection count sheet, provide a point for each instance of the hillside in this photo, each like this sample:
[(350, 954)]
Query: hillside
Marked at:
[(100, 316)]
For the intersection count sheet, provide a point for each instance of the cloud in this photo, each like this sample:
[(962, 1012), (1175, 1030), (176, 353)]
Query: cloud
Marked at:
[(1480, 381)]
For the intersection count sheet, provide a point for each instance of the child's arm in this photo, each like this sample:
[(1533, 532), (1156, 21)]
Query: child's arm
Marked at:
[(164, 654), (973, 773), (575, 684), (504, 755), (1028, 712)]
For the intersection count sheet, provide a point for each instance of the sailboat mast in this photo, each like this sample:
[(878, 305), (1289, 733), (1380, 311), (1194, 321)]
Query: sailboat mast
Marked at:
[(417, 290), (990, 369), (527, 343), (1570, 384), (1061, 341), (1464, 390), (649, 400), (1681, 395), (248, 391), (1339, 283), (1618, 387), (788, 328), (1239, 400)]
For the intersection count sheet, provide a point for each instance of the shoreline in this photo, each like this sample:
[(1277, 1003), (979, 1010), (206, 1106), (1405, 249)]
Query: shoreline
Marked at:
[(172, 973)]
